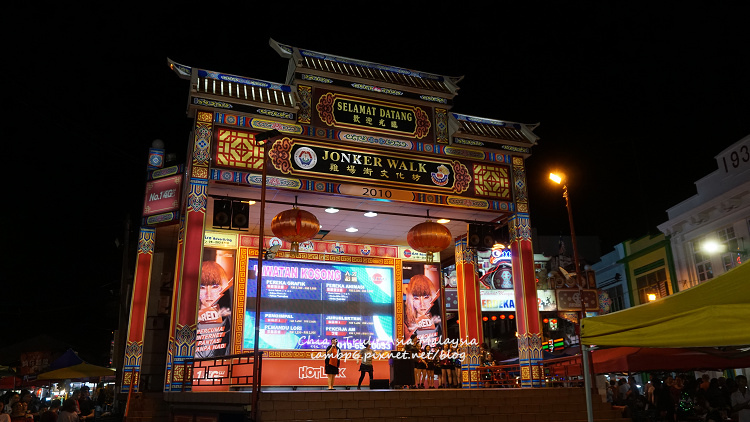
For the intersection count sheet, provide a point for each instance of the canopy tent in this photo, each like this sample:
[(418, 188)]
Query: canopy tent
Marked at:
[(6, 370), (714, 313), (81, 370), (69, 358), (640, 359)]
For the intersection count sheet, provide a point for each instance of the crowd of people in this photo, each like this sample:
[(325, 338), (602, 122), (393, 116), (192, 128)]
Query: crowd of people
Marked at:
[(79, 406), (682, 398)]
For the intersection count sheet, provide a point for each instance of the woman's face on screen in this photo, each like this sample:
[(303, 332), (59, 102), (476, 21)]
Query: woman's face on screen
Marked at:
[(422, 304)]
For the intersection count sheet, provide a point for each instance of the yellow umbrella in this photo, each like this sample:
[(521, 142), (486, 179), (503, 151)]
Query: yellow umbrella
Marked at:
[(82, 370)]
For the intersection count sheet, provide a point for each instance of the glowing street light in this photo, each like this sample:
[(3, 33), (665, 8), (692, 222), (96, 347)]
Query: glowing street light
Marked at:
[(711, 246), (559, 179)]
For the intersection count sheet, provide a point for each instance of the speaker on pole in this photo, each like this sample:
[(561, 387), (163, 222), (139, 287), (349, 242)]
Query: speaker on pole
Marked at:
[(222, 213), (240, 215)]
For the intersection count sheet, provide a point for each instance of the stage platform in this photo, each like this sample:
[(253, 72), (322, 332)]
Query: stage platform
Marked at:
[(431, 405)]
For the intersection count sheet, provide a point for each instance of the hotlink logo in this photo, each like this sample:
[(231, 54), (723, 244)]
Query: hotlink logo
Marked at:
[(316, 373)]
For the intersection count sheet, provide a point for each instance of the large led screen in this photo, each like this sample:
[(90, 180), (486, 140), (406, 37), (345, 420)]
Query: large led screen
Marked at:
[(305, 304)]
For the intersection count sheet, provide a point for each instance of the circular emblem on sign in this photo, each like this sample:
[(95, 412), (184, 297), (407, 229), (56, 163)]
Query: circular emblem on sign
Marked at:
[(407, 253), (440, 177), (305, 158), (275, 241), (308, 246)]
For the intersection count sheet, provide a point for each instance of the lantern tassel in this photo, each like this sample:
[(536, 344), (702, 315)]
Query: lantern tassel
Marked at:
[(295, 249)]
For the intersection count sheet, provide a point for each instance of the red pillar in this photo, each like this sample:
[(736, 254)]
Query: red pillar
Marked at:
[(173, 314), (524, 284), (469, 311), (131, 369), (185, 307)]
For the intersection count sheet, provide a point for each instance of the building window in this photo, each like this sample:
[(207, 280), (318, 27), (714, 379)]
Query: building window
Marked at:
[(654, 282), (728, 239), (703, 269), (618, 298)]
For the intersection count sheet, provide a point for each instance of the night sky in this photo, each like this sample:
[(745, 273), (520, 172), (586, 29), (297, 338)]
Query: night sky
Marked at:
[(634, 102)]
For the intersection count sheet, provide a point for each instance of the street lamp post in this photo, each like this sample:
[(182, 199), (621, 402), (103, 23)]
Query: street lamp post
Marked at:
[(560, 179), (262, 139)]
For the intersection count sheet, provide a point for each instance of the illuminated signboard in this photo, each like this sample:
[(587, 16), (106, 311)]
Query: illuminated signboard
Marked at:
[(219, 240), (570, 299), (347, 111), (162, 195), (301, 158), (304, 304), (297, 163), (504, 300), (409, 254)]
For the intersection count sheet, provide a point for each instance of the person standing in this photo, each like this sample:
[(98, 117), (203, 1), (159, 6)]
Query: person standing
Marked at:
[(741, 399), (4, 417), (68, 412), (51, 414), (86, 405), (365, 367), (18, 413), (12, 399), (623, 388), (412, 353), (446, 366), (332, 362), (429, 358)]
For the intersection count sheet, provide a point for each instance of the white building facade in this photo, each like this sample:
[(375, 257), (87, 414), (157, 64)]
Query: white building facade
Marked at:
[(611, 277), (710, 231)]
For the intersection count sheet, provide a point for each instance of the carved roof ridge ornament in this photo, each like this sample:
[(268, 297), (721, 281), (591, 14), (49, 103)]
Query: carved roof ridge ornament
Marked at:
[(369, 70), (181, 70)]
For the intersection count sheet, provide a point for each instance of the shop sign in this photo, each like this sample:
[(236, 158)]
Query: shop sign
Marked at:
[(162, 195), (292, 156), (503, 300), (409, 254), (570, 299), (34, 362), (347, 111), (220, 240)]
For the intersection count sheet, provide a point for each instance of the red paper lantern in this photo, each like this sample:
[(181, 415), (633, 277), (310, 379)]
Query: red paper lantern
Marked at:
[(545, 320), (295, 226), (494, 318), (502, 316), (511, 316), (429, 237), (484, 318)]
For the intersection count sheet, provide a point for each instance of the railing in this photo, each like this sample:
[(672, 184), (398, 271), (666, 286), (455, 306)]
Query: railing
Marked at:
[(559, 372), (230, 370)]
